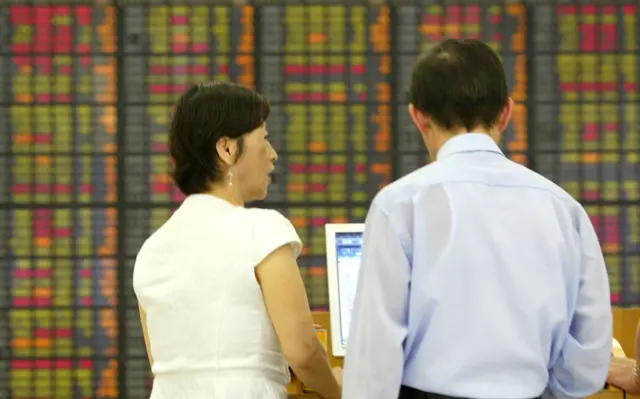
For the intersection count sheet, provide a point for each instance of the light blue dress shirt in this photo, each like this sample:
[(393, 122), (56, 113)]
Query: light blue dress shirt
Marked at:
[(482, 279)]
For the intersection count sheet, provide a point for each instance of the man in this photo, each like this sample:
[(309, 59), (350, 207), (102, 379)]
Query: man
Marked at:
[(624, 373), (479, 277)]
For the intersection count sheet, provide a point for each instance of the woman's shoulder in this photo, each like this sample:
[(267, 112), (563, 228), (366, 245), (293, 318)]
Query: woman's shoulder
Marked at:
[(270, 230), (266, 215)]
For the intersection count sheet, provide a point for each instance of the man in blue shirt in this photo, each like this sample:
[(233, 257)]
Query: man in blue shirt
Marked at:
[(479, 278)]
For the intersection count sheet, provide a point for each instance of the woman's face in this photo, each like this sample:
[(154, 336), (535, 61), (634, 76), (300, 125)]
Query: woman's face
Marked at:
[(251, 171)]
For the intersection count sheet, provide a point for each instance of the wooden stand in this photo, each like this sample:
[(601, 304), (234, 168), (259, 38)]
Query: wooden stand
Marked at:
[(624, 329)]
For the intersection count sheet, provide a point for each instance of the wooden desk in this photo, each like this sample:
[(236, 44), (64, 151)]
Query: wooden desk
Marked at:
[(608, 394), (625, 321)]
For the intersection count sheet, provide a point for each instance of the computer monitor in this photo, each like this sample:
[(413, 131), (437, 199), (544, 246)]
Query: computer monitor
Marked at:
[(344, 251)]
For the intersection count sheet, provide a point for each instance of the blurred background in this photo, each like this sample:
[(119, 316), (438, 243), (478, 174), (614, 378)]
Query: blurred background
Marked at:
[(86, 90)]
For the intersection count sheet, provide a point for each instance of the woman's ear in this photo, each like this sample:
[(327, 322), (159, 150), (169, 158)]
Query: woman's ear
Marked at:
[(226, 149)]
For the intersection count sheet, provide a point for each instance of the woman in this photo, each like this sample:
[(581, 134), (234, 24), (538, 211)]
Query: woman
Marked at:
[(624, 373), (222, 303)]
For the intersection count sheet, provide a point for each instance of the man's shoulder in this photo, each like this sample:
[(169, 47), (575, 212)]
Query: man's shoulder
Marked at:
[(536, 180), (405, 188)]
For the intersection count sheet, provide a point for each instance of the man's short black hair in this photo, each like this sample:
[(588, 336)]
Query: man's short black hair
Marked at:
[(460, 83), (204, 114)]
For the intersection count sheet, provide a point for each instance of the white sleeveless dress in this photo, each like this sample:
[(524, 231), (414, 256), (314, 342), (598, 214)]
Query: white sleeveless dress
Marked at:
[(210, 333)]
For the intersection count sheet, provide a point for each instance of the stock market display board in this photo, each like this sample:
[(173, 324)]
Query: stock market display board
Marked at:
[(336, 75), (586, 116), (326, 69), (58, 230)]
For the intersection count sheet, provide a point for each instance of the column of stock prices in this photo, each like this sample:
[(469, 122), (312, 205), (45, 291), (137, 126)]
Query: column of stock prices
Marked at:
[(326, 70), (58, 289), (586, 116), (166, 48)]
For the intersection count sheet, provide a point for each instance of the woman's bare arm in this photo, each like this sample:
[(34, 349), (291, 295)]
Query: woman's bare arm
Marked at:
[(286, 300)]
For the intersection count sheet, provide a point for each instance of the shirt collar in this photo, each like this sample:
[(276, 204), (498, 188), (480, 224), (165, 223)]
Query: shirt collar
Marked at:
[(468, 142)]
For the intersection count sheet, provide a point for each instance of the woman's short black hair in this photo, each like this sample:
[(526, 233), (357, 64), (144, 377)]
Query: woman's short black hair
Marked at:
[(460, 83), (204, 114)]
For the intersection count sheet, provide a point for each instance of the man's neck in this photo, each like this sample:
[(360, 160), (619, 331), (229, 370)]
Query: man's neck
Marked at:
[(443, 136)]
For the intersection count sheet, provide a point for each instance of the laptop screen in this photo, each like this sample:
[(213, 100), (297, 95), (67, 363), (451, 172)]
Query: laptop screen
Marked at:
[(348, 253)]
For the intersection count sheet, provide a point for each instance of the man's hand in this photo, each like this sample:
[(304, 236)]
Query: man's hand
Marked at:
[(621, 375)]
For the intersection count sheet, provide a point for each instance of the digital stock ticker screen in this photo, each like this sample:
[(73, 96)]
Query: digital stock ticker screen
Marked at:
[(86, 93), (585, 75), (58, 230)]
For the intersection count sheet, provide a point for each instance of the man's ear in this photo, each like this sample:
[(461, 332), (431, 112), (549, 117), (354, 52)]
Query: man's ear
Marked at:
[(505, 115), (419, 119)]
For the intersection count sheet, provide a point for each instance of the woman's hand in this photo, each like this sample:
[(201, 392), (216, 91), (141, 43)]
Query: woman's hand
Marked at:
[(621, 375)]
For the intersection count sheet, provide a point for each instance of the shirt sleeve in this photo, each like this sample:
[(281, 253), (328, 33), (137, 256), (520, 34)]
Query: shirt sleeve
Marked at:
[(581, 369), (271, 230), (374, 360)]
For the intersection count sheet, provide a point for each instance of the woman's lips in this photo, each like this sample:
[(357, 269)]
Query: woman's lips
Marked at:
[(270, 175)]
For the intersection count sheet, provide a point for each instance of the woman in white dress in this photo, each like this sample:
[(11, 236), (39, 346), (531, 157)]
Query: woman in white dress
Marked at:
[(223, 307)]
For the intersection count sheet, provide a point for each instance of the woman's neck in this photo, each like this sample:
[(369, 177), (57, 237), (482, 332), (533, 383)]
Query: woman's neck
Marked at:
[(227, 194)]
